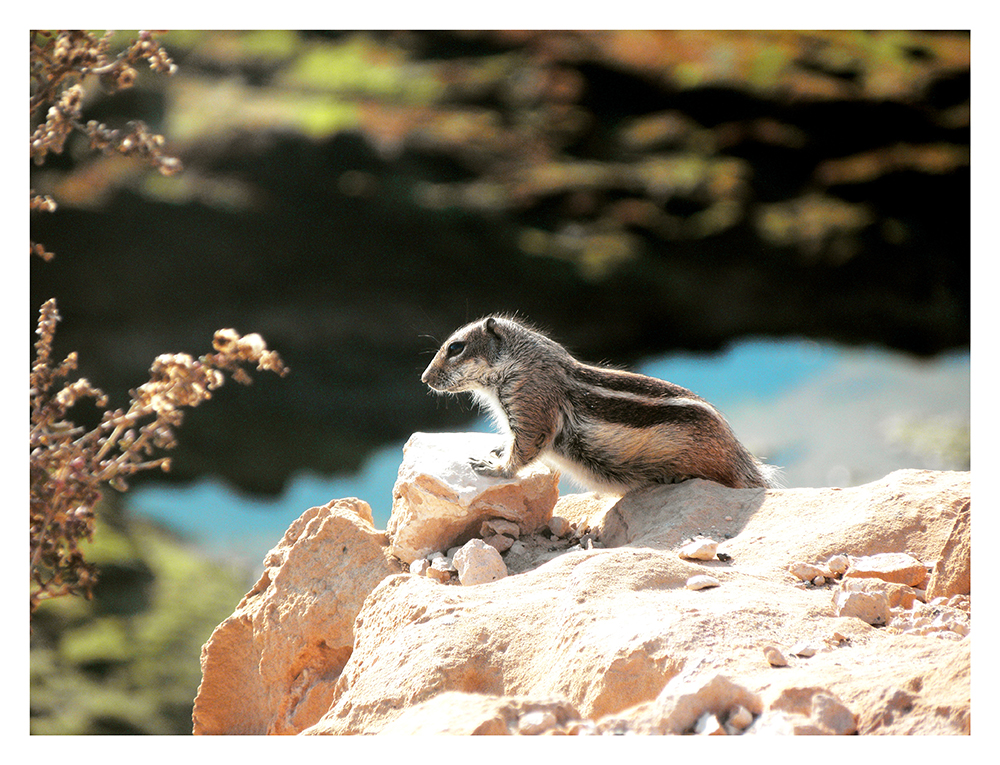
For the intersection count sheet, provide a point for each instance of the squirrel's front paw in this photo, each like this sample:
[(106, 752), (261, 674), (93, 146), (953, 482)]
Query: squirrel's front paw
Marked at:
[(487, 468)]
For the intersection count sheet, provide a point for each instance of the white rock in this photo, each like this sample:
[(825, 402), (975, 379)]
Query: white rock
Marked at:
[(690, 695), (582, 728), (438, 497), (699, 549), (701, 582), (838, 564), (442, 563), (806, 571), (869, 606), (478, 563), (889, 567), (533, 723), (420, 566), (440, 569), (708, 725), (773, 723)]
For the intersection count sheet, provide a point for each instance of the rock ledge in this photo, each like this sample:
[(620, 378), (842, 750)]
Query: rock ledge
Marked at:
[(595, 629)]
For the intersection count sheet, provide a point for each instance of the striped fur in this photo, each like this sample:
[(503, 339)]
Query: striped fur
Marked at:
[(611, 430)]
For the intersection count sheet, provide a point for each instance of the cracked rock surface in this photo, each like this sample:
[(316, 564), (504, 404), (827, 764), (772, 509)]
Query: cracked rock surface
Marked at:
[(605, 636)]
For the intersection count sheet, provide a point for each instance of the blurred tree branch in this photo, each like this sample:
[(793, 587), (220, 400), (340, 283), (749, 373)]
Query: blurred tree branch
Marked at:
[(70, 464)]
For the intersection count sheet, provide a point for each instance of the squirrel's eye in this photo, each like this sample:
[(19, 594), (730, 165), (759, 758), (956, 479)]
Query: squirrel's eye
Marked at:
[(455, 348)]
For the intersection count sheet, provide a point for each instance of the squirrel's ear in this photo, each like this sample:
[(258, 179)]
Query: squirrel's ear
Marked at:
[(491, 326)]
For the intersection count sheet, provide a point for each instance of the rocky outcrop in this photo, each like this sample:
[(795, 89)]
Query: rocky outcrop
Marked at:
[(597, 629), (433, 509), (270, 667)]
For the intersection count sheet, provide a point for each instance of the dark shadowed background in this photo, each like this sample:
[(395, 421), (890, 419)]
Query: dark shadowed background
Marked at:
[(777, 220)]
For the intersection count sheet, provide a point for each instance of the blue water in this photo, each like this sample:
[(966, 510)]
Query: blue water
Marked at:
[(760, 370), (244, 527), (785, 387)]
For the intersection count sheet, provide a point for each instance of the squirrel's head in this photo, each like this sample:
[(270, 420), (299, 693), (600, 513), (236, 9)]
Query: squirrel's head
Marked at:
[(466, 360)]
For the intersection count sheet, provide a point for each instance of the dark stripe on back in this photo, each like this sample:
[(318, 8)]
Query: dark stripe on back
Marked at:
[(610, 408), (628, 382)]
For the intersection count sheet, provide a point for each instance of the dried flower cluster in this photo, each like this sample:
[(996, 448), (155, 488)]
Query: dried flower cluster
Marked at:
[(69, 463), (59, 63)]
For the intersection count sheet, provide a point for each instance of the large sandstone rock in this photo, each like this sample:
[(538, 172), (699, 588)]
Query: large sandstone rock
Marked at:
[(438, 501), (269, 668), (592, 639)]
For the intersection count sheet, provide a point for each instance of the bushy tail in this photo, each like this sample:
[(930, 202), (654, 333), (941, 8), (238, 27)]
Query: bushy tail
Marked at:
[(772, 475)]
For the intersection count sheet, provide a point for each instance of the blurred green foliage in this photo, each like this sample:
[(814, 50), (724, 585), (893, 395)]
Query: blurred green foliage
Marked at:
[(942, 442), (531, 133), (128, 660)]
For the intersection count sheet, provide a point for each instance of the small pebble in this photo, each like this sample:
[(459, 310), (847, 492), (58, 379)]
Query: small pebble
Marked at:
[(819, 581), (420, 566), (499, 542), (805, 571), (500, 526), (838, 564), (699, 549), (775, 657), (533, 723), (582, 728), (804, 649), (438, 573), (701, 582), (443, 564), (559, 526), (740, 718), (479, 563), (870, 607)]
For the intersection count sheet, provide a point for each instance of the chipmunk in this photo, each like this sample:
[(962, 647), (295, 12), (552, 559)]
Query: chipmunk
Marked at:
[(611, 430)]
